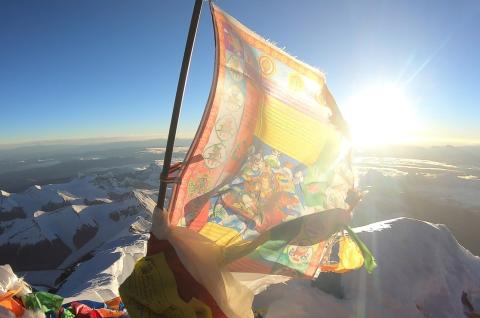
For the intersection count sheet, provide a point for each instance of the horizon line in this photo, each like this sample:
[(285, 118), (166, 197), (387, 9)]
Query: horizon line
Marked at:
[(425, 142), (86, 140)]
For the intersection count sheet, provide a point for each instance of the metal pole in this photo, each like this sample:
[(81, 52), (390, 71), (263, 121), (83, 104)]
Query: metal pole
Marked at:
[(178, 102)]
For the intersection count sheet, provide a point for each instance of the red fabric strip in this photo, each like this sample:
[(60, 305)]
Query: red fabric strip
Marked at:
[(187, 286)]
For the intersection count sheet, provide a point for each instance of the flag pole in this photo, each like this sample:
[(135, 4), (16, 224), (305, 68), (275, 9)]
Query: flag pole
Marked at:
[(178, 103)]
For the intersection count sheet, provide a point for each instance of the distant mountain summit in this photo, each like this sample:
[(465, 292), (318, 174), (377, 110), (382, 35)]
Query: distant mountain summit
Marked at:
[(54, 226)]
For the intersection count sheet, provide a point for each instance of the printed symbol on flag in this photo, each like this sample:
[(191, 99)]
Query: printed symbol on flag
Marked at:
[(198, 185), (234, 98), (225, 127), (295, 82), (214, 155), (299, 254), (235, 67), (267, 66), (275, 149)]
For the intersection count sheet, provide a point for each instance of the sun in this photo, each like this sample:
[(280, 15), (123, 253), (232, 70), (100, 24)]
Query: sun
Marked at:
[(380, 114)]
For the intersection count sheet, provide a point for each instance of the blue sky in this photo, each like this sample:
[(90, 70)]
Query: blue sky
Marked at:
[(86, 69)]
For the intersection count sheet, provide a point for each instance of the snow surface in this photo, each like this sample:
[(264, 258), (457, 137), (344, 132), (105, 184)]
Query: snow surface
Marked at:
[(63, 224), (422, 272), (99, 278), (421, 189), (80, 216)]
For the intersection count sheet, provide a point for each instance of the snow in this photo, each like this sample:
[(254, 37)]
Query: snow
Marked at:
[(4, 193), (35, 198), (109, 230), (98, 279), (422, 272), (403, 162), (80, 215), (67, 196), (41, 278), (431, 179), (161, 150), (24, 233), (10, 281), (469, 177), (438, 196), (63, 223)]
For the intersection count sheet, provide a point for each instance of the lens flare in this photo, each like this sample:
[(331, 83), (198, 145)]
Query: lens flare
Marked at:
[(380, 114)]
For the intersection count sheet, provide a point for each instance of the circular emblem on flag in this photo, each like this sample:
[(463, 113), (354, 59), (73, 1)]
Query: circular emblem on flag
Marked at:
[(295, 82), (267, 66), (226, 127), (214, 155), (234, 98), (299, 255), (235, 68)]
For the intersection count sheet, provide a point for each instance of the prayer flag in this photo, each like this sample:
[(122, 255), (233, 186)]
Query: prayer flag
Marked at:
[(266, 189), (269, 172)]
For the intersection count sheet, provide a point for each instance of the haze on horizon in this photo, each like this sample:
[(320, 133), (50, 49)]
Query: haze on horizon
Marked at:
[(402, 72)]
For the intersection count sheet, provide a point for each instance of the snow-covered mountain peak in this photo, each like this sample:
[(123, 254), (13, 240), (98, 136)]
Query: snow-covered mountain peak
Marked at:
[(377, 226), (58, 224), (85, 235), (66, 196)]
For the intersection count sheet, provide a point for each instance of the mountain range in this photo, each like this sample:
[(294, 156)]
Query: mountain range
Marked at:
[(80, 237)]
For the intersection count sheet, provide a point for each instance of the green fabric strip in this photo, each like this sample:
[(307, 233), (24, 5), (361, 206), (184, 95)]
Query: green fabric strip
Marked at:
[(68, 314), (42, 301), (370, 262)]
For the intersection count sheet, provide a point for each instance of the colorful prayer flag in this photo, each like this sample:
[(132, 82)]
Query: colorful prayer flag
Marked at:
[(267, 188), (269, 171)]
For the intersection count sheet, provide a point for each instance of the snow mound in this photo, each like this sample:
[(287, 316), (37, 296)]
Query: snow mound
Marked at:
[(422, 272), (99, 278), (4, 193)]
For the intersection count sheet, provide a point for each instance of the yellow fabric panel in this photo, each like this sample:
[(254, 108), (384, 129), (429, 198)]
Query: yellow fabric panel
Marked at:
[(292, 132), (350, 257), (221, 235), (151, 291)]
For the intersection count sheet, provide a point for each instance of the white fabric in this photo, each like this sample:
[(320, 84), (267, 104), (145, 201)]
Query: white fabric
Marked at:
[(202, 259), (258, 283), (10, 281)]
